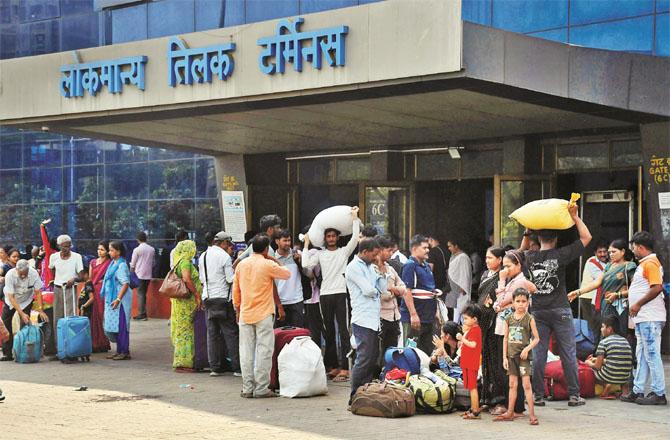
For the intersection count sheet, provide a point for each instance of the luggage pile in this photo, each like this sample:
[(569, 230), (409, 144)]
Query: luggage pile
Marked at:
[(407, 387), (297, 364)]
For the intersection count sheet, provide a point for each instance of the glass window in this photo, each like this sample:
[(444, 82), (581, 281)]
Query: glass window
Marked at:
[(119, 153), (8, 41), (39, 38), (174, 179), (353, 169), (511, 198), (386, 210), (582, 156), (33, 216), (10, 187), (123, 220), (235, 12), (34, 10), (207, 217), (205, 178), (662, 5), (634, 34), (170, 17), (11, 219), (261, 10), (481, 163), (41, 150), (436, 166), (81, 151), (84, 184), (165, 217), (662, 45), (129, 23), (309, 6), (79, 31), (164, 154), (589, 11), (43, 184), (626, 153), (477, 11), (126, 182), (9, 11), (315, 171), (560, 35), (85, 221), (529, 15), (210, 14), (73, 7), (11, 147)]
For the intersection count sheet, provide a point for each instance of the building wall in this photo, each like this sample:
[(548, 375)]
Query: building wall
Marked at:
[(628, 25)]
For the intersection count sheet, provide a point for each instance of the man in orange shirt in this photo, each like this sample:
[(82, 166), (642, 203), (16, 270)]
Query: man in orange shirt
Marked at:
[(255, 299)]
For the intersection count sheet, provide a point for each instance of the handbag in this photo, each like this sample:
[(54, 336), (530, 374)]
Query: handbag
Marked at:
[(173, 286)]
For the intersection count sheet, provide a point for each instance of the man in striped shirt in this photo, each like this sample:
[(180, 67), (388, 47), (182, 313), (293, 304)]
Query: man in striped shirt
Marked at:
[(613, 361)]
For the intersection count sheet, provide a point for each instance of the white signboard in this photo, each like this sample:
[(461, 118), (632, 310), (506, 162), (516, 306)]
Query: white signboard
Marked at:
[(234, 214), (664, 200)]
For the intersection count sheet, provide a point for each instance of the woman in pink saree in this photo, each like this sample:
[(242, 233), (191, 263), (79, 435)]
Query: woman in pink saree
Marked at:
[(97, 270)]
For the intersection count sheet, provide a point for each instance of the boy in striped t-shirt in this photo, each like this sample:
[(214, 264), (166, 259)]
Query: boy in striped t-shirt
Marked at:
[(613, 360)]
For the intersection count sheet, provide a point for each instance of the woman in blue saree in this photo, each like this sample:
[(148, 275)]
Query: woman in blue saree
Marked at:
[(118, 302)]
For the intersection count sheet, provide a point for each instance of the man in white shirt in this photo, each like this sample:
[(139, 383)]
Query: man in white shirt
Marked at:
[(66, 266), (22, 287), (216, 276), (333, 295), (270, 225), (142, 264), (589, 304), (290, 291)]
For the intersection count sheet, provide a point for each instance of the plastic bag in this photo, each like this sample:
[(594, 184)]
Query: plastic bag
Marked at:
[(301, 369), (545, 214), (338, 217)]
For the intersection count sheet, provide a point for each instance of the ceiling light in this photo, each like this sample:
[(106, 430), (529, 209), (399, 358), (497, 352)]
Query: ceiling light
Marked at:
[(453, 152)]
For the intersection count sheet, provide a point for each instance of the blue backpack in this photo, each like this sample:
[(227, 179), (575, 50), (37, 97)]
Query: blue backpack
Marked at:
[(27, 347), (403, 358), (584, 338)]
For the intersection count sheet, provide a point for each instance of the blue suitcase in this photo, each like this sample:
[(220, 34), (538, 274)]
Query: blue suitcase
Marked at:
[(27, 347), (73, 336)]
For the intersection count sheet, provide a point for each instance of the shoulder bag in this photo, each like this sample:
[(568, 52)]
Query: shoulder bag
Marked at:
[(173, 286)]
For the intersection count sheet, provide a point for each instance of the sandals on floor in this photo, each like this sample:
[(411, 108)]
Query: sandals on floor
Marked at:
[(471, 415), (341, 377), (609, 397), (504, 418), (534, 421), (332, 374), (498, 410)]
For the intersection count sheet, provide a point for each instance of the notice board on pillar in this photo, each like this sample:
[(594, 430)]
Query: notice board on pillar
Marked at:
[(234, 214)]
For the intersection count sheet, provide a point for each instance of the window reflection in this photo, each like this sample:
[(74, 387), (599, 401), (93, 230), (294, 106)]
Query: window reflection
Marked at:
[(126, 182), (85, 220), (123, 220), (165, 217), (43, 184), (174, 179), (84, 184)]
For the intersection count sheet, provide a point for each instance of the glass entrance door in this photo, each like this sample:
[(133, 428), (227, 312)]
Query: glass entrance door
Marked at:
[(386, 208)]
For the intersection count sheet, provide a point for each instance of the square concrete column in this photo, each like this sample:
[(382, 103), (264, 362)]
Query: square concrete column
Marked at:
[(231, 176)]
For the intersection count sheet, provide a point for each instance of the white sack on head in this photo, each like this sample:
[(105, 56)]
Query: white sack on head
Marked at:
[(337, 217)]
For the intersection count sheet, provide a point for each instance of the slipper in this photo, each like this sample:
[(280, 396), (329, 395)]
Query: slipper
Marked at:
[(472, 416), (504, 418), (498, 410), (332, 374), (609, 397), (341, 377), (534, 421)]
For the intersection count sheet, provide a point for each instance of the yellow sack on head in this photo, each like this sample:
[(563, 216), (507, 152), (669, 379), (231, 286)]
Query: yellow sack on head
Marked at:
[(546, 214)]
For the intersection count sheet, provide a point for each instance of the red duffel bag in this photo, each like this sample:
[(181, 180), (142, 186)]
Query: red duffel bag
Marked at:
[(556, 387)]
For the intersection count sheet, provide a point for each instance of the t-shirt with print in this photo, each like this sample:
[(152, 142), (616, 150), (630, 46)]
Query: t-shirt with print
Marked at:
[(547, 269), (648, 273), (519, 335), (618, 360)]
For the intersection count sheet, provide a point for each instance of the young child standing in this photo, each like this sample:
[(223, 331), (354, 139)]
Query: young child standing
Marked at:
[(471, 354), (517, 350)]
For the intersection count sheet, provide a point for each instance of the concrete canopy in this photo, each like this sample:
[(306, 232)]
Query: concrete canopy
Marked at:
[(509, 85)]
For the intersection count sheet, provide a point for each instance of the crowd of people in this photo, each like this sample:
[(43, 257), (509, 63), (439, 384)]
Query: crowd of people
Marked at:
[(364, 296)]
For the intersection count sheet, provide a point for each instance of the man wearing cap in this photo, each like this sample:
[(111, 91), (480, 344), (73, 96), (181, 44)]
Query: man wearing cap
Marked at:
[(66, 266), (216, 276), (22, 287)]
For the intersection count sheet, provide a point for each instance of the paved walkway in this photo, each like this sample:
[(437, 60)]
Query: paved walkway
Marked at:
[(144, 398)]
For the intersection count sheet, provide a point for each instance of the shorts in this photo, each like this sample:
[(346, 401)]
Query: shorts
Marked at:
[(470, 379), (519, 367)]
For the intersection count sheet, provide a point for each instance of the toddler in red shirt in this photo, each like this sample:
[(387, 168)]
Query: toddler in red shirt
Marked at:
[(471, 354)]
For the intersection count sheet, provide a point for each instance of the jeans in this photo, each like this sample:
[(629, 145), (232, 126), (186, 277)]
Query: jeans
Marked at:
[(558, 321), (424, 336), (222, 334), (648, 353), (7, 316), (257, 342), (295, 315), (367, 353), (334, 308), (142, 298)]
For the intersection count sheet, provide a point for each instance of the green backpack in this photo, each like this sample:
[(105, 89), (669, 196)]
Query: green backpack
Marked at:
[(431, 397)]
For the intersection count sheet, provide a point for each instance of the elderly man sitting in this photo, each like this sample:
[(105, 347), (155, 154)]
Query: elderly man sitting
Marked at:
[(22, 287), (67, 265)]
